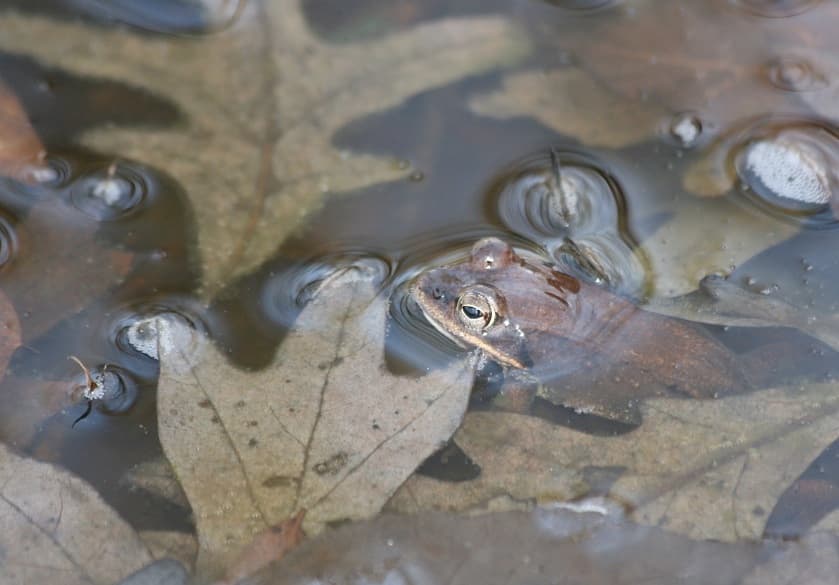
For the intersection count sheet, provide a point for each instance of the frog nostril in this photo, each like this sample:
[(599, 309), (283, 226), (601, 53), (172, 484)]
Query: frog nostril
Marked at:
[(437, 294)]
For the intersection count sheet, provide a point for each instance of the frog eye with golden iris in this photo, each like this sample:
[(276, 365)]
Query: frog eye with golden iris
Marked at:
[(477, 309)]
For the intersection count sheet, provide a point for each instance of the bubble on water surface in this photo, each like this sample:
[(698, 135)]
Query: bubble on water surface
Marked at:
[(111, 193), (793, 74), (147, 329), (775, 8), (792, 172), (685, 129)]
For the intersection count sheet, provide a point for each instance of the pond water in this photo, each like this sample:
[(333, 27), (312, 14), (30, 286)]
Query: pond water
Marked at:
[(217, 160)]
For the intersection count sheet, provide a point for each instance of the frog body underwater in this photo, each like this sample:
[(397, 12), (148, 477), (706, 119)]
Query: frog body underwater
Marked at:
[(581, 345)]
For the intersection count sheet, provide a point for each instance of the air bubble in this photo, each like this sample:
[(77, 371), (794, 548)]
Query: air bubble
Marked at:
[(112, 193), (792, 74), (685, 129)]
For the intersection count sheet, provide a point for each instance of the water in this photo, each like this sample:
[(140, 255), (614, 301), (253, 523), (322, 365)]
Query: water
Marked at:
[(634, 147)]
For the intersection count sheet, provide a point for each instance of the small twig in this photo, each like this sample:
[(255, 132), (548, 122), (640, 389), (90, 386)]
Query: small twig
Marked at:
[(90, 385)]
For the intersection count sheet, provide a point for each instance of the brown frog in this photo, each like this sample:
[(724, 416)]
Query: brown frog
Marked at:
[(575, 343)]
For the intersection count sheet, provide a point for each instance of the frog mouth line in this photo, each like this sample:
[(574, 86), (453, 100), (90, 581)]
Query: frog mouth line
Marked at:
[(429, 309)]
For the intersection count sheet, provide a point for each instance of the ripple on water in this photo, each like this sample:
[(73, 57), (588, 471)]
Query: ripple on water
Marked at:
[(171, 16), (287, 291), (50, 175), (8, 241), (775, 8), (113, 389), (135, 330), (113, 192), (791, 172), (795, 74), (568, 204)]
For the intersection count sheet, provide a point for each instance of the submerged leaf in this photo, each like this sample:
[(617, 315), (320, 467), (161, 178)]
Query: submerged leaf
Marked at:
[(676, 470), (9, 332), (574, 103), (56, 529), (513, 548), (262, 158), (20, 147), (325, 428)]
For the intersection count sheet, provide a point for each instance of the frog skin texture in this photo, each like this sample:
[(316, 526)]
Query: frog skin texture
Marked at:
[(574, 343)]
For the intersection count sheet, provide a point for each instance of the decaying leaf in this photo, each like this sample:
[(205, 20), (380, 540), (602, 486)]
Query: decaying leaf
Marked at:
[(573, 103), (269, 546), (324, 428), (512, 548), (167, 544), (708, 469), (59, 240), (258, 160), (9, 332), (20, 148), (56, 529)]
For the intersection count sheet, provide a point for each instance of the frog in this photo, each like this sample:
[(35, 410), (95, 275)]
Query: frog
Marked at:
[(569, 341)]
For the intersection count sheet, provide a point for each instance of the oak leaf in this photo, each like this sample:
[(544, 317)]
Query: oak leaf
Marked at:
[(257, 161), (324, 428)]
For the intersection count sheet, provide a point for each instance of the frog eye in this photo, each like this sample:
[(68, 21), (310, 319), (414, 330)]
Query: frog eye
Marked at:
[(477, 310)]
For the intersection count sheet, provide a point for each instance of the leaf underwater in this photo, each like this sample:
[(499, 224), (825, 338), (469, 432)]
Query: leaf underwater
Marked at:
[(256, 162), (709, 469), (325, 428), (540, 546), (57, 529)]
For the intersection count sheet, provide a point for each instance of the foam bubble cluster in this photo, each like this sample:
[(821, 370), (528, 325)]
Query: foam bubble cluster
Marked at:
[(789, 166)]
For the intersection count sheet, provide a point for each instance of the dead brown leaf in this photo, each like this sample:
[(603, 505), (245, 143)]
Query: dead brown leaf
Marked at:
[(58, 240), (21, 150), (324, 428)]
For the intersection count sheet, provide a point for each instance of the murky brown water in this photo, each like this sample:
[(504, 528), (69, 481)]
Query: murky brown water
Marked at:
[(637, 146)]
